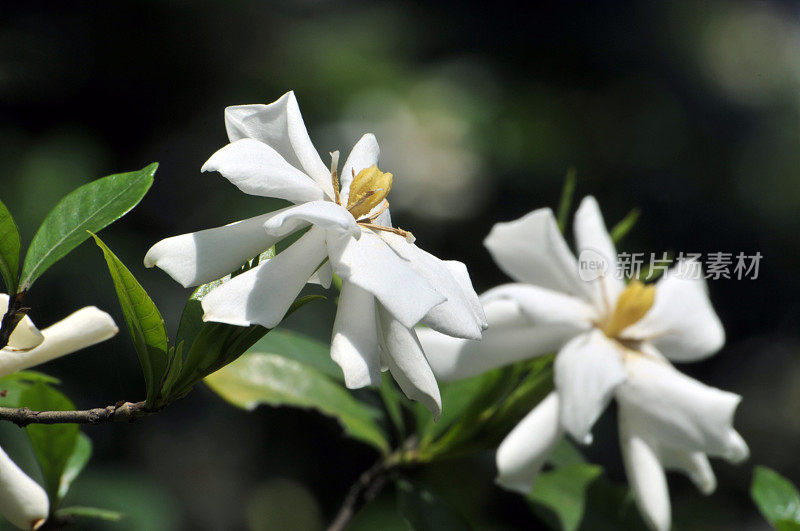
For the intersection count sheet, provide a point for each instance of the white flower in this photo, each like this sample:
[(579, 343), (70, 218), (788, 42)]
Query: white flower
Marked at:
[(389, 284), (613, 341), (22, 501)]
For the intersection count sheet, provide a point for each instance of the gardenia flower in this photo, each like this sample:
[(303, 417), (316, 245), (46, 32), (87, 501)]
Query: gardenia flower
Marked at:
[(613, 341), (388, 283), (22, 501)]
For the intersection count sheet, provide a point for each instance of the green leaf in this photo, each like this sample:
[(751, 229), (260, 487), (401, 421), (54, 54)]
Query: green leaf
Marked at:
[(622, 228), (91, 207), (94, 513), (786, 525), (75, 464), (266, 378), (144, 322), (9, 250), (567, 192), (424, 511), (776, 497), (392, 399), (54, 445), (564, 491), (302, 348)]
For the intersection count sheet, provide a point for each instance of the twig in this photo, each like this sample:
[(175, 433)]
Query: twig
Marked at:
[(120, 412), (12, 317), (363, 491)]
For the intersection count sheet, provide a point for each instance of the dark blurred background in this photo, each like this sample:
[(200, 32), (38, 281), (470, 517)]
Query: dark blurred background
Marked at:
[(686, 110)]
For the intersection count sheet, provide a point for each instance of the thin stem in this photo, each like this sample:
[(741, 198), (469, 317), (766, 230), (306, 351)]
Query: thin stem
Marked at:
[(120, 412), (363, 491)]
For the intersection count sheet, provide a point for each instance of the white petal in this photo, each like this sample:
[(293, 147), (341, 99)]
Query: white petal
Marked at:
[(524, 451), (586, 373), (257, 169), (354, 345), (510, 337), (591, 234), (22, 501), (263, 294), (532, 250), (326, 214), (200, 257), (460, 273), (82, 329), (455, 316), (364, 154), (546, 307), (681, 412), (370, 264), (645, 475), (693, 464), (323, 275), (406, 361), (682, 323), (280, 125), (25, 335)]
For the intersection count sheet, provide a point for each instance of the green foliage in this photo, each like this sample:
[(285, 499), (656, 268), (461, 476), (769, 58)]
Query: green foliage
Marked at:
[(270, 378), (144, 322), (9, 250), (777, 498), (625, 225), (567, 193), (77, 512), (424, 511), (563, 490), (90, 207)]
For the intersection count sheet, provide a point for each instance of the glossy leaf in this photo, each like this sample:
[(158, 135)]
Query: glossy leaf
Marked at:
[(424, 511), (144, 322), (9, 250), (266, 378), (91, 207), (54, 445), (563, 490), (302, 348), (776, 497)]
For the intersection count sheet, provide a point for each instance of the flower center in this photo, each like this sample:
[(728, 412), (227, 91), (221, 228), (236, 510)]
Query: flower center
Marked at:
[(633, 303)]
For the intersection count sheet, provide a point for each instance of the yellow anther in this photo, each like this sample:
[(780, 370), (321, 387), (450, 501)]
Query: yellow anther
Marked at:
[(633, 303), (367, 190)]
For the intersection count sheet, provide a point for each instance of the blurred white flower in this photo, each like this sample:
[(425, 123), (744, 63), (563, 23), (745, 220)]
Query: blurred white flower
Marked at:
[(612, 341), (22, 501), (388, 283)]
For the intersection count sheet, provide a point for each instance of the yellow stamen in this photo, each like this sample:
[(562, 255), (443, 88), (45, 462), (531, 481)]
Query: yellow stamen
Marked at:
[(367, 190), (633, 303)]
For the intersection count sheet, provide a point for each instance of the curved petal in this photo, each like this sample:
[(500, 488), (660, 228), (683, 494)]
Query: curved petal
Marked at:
[(257, 169), (370, 264), (455, 316), (645, 475), (460, 273), (509, 338), (682, 323), (323, 276), (263, 294), (82, 329), (403, 355), (546, 307), (532, 250), (326, 214), (280, 125), (679, 411), (524, 451), (201, 257), (364, 154), (25, 336), (591, 235), (586, 372), (22, 501), (354, 345), (694, 464)]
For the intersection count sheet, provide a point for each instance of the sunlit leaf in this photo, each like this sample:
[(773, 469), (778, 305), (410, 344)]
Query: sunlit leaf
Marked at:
[(54, 445), (424, 511), (563, 490), (9, 250), (776, 497), (302, 348), (144, 322), (91, 207), (258, 378)]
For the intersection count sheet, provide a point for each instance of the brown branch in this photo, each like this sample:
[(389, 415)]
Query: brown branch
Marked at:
[(120, 412), (14, 314), (364, 490)]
